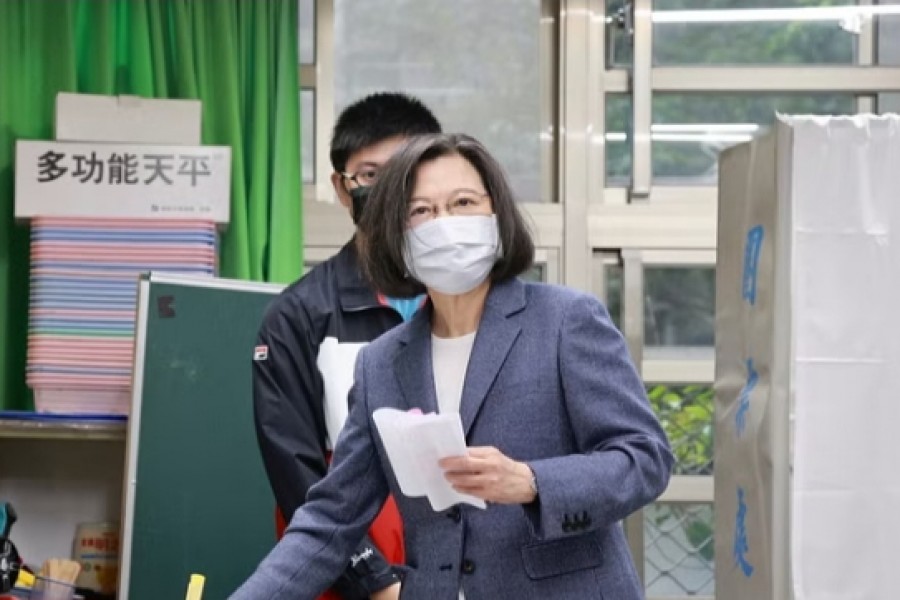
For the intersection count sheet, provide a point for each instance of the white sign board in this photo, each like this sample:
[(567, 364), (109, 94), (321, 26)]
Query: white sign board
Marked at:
[(64, 179)]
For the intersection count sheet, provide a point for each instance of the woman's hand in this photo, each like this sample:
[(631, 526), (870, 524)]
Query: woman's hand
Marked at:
[(487, 473)]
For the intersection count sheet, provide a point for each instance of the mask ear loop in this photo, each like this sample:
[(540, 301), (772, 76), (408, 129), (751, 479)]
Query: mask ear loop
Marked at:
[(499, 252), (407, 256)]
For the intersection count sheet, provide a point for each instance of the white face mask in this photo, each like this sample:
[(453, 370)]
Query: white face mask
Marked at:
[(453, 255)]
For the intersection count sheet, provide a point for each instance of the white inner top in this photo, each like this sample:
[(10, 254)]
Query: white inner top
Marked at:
[(450, 358)]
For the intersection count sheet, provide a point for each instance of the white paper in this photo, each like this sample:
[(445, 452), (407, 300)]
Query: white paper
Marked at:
[(414, 443)]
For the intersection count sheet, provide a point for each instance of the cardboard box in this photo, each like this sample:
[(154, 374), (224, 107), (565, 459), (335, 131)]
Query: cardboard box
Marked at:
[(129, 119)]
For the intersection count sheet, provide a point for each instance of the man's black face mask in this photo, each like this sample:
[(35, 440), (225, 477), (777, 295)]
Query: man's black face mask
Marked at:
[(359, 195)]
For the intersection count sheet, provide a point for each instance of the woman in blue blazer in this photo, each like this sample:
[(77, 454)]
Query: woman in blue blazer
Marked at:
[(562, 442)]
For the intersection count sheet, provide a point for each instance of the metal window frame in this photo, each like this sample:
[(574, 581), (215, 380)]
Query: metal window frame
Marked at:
[(579, 53), (685, 220), (318, 77), (642, 86), (850, 79), (866, 45), (549, 57), (646, 223), (681, 488), (633, 330), (678, 370), (324, 100)]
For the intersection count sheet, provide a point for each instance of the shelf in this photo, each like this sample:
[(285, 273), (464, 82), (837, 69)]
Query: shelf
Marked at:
[(75, 429)]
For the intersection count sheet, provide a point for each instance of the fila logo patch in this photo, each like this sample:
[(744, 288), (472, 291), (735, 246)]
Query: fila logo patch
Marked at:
[(261, 353), (364, 555)]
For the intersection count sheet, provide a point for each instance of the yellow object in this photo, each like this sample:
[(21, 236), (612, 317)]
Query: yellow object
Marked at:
[(25, 579), (61, 570), (195, 587)]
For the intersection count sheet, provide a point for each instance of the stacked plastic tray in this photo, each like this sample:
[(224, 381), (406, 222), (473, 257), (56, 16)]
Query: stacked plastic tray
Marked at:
[(84, 275)]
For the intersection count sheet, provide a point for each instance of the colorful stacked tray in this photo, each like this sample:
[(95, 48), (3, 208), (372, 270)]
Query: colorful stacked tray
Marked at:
[(84, 275)]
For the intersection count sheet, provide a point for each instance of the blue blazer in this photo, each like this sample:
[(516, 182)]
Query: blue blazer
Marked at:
[(550, 383)]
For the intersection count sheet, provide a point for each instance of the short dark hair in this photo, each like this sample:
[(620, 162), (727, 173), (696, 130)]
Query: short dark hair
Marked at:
[(375, 118), (381, 230)]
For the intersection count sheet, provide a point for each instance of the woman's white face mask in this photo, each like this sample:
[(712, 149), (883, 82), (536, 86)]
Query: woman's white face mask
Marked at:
[(453, 255)]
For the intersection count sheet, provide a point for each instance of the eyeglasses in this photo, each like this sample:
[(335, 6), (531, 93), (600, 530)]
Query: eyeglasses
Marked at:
[(460, 203), (363, 178)]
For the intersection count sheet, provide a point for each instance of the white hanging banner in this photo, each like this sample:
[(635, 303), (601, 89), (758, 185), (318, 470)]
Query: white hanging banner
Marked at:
[(69, 179), (846, 278)]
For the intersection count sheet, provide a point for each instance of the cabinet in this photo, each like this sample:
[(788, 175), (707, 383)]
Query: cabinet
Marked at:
[(57, 475)]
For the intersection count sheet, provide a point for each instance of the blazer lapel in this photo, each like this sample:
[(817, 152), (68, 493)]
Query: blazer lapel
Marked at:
[(495, 338), (413, 366)]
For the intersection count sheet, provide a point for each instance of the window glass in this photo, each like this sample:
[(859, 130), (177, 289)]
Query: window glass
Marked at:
[(677, 41), (889, 103), (889, 56), (679, 550), (306, 34), (685, 412), (474, 63), (537, 272), (679, 308), (613, 279), (689, 130), (308, 135), (889, 37)]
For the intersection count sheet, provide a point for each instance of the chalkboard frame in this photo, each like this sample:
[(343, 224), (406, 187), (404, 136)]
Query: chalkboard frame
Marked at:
[(146, 285)]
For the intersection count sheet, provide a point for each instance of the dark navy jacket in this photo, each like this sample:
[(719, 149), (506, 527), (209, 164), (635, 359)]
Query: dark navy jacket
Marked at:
[(302, 372)]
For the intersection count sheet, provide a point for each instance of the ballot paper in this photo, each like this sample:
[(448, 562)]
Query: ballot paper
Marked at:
[(414, 443)]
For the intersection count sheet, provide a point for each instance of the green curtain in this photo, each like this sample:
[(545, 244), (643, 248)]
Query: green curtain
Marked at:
[(239, 57)]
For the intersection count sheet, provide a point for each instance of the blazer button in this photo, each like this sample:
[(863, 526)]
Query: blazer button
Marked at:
[(454, 514), (468, 567)]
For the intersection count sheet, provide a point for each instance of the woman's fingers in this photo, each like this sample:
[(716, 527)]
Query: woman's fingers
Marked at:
[(487, 473)]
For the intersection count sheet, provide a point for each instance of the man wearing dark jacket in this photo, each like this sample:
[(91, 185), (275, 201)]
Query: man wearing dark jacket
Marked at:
[(307, 345)]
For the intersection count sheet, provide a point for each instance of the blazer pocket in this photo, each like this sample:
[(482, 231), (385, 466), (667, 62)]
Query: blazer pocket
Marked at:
[(558, 557)]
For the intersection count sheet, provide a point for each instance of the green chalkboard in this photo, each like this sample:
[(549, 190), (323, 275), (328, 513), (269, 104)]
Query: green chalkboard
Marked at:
[(196, 495)]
